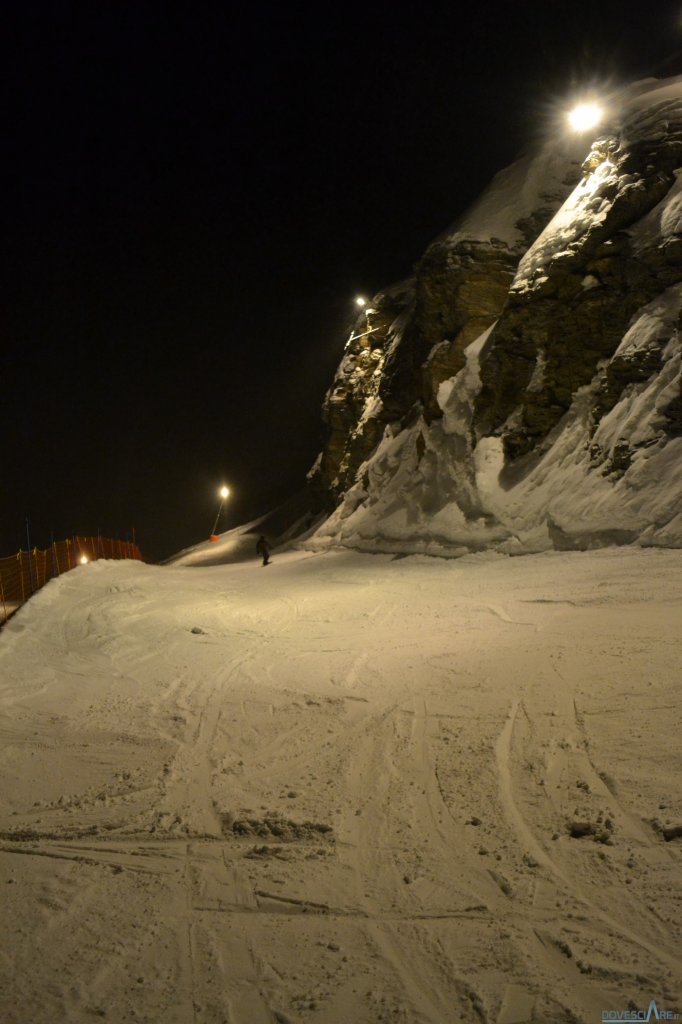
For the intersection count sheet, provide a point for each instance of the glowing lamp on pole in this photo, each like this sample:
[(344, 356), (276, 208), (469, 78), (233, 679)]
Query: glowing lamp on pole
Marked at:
[(585, 116), (224, 493)]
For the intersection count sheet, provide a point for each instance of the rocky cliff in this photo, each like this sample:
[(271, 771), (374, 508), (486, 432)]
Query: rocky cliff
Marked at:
[(522, 390)]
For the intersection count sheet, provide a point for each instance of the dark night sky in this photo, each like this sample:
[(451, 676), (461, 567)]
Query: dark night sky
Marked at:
[(195, 195)]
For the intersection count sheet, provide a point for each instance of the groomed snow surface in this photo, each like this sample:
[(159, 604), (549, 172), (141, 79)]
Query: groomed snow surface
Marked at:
[(346, 789)]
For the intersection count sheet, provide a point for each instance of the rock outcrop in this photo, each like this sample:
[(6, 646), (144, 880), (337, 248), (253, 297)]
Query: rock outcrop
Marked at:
[(412, 336), (577, 288), (535, 349), (354, 413)]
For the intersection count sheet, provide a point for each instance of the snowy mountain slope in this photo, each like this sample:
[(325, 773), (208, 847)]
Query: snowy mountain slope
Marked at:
[(532, 398), (345, 788), (289, 522)]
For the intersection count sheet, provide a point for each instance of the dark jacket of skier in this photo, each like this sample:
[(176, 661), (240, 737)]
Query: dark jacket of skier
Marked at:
[(263, 549)]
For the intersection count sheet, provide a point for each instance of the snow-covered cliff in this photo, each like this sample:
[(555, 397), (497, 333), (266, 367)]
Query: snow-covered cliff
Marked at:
[(523, 390)]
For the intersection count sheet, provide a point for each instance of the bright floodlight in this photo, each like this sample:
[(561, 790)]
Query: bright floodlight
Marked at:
[(360, 301), (585, 116), (224, 492), (84, 559)]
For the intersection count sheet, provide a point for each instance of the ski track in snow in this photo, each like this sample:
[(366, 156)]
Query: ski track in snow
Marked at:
[(361, 790)]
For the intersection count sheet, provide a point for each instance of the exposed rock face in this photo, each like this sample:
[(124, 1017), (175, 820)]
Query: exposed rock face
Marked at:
[(353, 413), (461, 291), (413, 335), (577, 289), (539, 343)]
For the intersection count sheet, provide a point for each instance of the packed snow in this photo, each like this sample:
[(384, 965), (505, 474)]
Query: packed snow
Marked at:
[(344, 788)]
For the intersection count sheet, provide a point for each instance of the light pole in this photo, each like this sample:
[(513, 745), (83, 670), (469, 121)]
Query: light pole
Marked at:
[(361, 301), (224, 493)]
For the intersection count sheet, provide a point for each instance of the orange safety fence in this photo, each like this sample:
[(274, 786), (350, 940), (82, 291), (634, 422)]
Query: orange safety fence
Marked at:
[(21, 575)]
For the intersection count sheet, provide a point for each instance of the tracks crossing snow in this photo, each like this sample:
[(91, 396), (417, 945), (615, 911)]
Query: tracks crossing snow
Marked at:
[(352, 801)]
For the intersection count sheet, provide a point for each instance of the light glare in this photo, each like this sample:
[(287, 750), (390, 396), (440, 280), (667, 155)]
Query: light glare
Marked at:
[(585, 116), (224, 492), (360, 301)]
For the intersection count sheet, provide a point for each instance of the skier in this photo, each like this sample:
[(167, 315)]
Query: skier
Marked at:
[(263, 548)]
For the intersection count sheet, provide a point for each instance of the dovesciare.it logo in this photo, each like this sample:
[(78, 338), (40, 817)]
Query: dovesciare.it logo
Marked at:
[(627, 1016)]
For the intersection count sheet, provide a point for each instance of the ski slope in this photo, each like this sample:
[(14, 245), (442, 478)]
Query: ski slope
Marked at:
[(345, 788)]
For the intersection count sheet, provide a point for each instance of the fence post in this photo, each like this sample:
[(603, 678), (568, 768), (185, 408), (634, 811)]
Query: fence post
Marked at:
[(30, 567), (55, 560), (2, 594), (21, 575)]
